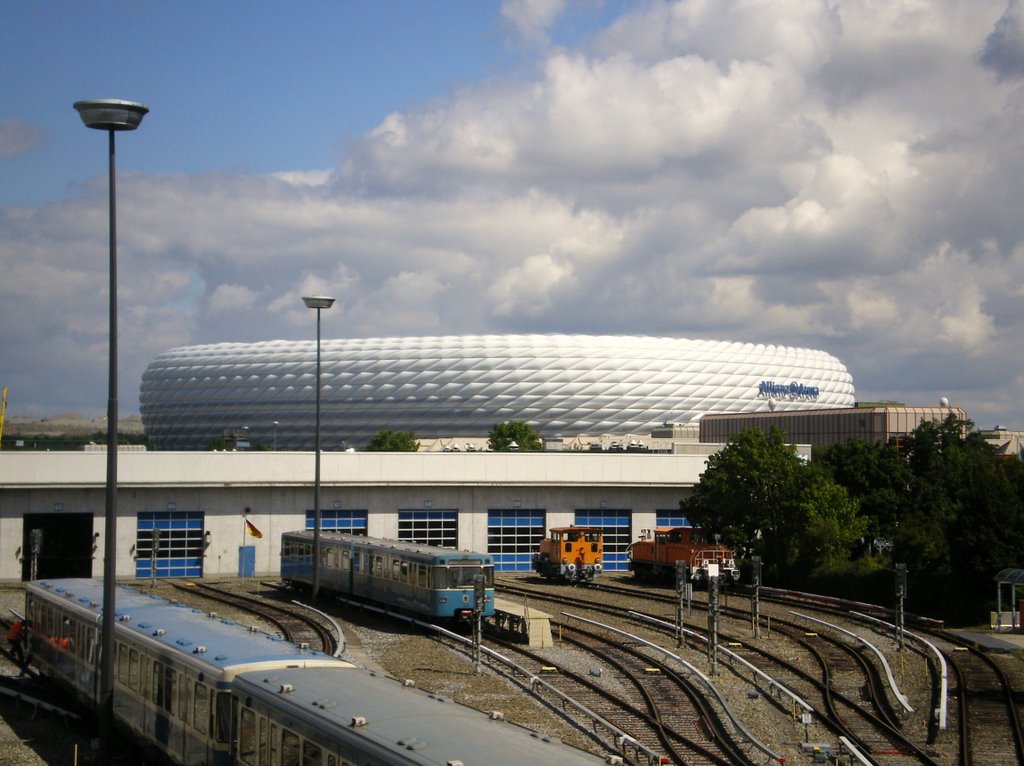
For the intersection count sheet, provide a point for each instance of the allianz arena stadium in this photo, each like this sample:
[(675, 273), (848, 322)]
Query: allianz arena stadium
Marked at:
[(566, 385)]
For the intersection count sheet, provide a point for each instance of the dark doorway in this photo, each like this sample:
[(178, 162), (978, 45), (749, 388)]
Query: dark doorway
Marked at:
[(61, 544)]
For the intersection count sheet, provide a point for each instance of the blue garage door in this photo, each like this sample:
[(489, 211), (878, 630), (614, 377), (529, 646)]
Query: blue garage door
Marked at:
[(615, 526), (513, 535), (351, 522), (169, 544), (429, 527), (672, 519)]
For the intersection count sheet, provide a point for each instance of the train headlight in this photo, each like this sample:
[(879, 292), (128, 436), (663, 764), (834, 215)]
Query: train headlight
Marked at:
[(597, 566)]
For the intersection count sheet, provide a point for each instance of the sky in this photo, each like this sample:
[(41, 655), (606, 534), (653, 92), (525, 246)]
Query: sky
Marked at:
[(842, 175)]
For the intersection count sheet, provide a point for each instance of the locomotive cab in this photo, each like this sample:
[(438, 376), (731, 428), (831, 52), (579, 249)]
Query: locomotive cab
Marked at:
[(572, 554)]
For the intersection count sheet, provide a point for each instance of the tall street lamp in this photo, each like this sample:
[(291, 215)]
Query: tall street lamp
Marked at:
[(317, 302), (110, 115)]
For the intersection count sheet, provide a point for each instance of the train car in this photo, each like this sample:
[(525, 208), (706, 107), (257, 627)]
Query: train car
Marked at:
[(173, 670), (654, 556), (424, 580), (362, 718), (571, 554), (195, 690)]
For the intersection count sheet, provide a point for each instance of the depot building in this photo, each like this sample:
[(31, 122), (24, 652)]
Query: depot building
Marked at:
[(195, 514)]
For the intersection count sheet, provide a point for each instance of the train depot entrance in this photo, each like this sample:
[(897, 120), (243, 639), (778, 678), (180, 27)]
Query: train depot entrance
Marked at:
[(56, 545)]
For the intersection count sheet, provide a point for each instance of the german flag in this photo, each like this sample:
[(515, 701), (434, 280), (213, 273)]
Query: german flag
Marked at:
[(251, 529)]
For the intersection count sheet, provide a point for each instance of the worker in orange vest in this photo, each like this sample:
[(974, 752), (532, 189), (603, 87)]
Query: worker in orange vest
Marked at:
[(16, 636)]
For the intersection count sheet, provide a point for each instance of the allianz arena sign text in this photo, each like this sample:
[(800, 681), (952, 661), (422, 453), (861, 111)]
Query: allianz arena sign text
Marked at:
[(792, 391)]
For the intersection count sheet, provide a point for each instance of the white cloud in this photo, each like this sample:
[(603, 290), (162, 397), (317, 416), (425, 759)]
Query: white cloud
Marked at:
[(530, 19), (842, 175), (527, 289)]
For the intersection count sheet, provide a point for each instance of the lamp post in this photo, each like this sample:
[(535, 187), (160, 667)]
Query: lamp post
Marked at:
[(318, 302), (110, 115)]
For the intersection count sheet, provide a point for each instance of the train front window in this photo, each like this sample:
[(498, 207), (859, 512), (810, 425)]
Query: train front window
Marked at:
[(465, 576)]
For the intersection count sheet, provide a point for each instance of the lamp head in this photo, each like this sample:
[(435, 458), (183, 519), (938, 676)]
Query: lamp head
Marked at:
[(318, 301), (111, 114)]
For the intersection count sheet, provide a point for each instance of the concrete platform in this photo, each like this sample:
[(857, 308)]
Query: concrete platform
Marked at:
[(1001, 641), (531, 626)]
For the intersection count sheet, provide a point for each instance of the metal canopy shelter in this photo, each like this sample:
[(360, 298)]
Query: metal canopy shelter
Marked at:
[(1013, 578)]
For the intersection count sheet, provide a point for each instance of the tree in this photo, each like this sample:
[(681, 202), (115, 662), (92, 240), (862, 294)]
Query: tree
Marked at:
[(764, 499), (965, 521), (748, 493), (877, 476), (833, 524), (504, 434), (953, 510), (393, 441)]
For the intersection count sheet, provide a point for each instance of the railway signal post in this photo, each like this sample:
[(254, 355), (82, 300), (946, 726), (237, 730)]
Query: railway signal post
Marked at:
[(712, 618), (901, 592), (35, 551), (755, 605), (682, 592), (479, 600)]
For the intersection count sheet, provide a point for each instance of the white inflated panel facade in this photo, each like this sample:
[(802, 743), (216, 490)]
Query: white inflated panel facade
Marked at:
[(462, 385)]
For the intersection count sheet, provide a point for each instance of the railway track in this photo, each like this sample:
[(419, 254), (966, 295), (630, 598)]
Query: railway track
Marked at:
[(690, 727), (991, 699), (641, 696), (844, 688), (988, 719), (296, 625)]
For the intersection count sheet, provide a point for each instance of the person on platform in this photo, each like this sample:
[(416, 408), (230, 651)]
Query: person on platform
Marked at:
[(16, 637)]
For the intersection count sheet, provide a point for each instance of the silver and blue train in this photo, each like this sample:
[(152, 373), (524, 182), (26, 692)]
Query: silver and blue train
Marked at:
[(425, 580), (194, 689)]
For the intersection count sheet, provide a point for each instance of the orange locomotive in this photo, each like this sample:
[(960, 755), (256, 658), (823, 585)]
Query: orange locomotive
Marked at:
[(572, 554), (654, 557)]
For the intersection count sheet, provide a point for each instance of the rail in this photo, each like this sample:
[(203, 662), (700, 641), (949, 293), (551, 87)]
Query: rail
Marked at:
[(841, 603), (772, 683), (704, 679), (943, 711), (854, 752), (622, 738), (881, 657), (334, 623)]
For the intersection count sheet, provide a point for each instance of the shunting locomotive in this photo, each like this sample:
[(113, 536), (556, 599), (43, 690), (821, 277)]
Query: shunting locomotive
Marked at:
[(571, 554), (654, 555)]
